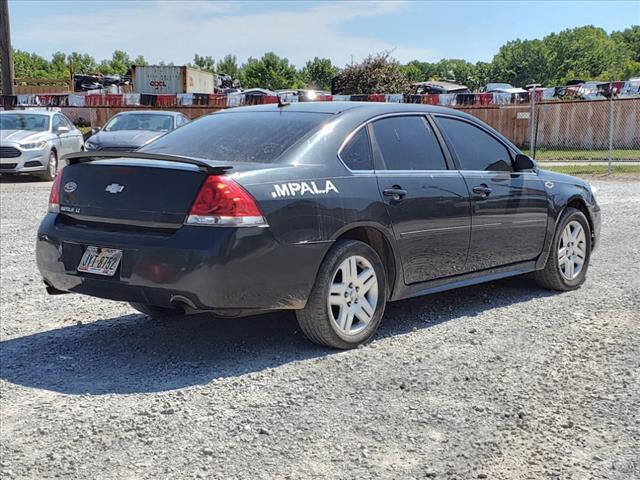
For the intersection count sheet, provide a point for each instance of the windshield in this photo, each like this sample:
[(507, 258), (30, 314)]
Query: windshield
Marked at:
[(140, 121), (498, 86), (24, 121), (238, 137)]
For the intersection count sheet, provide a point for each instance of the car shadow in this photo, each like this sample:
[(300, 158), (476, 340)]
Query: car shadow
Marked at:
[(136, 354), (23, 178)]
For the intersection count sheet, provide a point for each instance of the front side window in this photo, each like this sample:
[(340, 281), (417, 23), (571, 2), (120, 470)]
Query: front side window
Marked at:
[(357, 153), (408, 143), (140, 121), (475, 149), (57, 122), (259, 137)]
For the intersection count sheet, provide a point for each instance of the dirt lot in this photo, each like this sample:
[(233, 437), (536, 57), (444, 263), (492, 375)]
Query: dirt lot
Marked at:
[(498, 381)]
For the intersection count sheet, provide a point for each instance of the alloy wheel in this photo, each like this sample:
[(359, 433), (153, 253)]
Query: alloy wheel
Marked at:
[(53, 165), (572, 250), (353, 296)]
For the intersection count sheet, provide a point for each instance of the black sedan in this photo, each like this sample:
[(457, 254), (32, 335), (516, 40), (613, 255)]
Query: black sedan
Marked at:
[(329, 209), (128, 131)]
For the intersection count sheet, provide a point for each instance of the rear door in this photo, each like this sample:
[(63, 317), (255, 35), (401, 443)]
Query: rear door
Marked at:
[(509, 209), (427, 203)]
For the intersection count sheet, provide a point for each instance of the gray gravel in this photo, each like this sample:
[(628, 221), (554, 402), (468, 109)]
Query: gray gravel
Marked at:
[(499, 381)]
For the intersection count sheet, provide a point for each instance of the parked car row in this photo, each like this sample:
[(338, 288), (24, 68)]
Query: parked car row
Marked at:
[(33, 141)]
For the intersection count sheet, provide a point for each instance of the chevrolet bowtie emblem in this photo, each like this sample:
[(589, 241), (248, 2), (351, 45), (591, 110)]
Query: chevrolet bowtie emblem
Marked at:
[(114, 188)]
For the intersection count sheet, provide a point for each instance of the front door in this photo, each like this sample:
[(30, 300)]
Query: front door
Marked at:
[(509, 209), (428, 204)]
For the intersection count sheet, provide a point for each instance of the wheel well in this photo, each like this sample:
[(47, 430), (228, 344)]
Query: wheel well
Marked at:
[(376, 240), (53, 149), (579, 204)]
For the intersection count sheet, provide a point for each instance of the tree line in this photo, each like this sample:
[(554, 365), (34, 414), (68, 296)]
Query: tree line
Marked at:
[(587, 53)]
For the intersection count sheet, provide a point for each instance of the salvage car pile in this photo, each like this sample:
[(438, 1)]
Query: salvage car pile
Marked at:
[(457, 97)]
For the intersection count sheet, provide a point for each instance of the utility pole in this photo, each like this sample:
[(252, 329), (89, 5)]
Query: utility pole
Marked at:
[(6, 55)]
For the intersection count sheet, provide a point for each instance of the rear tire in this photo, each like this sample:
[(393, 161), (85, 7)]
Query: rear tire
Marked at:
[(347, 302), (52, 168), (568, 260), (156, 312)]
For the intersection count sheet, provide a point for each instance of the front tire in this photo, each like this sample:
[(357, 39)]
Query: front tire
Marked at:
[(568, 261), (348, 299), (52, 167)]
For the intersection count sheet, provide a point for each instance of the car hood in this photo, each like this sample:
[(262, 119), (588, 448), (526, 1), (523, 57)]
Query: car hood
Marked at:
[(22, 136), (125, 138)]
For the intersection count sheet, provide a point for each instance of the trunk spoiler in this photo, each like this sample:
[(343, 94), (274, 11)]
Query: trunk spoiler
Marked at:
[(86, 157)]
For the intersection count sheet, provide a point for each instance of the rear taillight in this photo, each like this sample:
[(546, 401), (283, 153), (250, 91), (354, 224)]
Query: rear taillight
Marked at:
[(221, 201), (54, 196)]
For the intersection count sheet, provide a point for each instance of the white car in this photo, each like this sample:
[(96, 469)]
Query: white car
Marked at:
[(501, 88), (33, 141)]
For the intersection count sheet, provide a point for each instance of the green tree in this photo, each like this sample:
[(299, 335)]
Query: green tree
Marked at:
[(82, 63), (29, 65), (520, 62), (413, 73), (271, 72), (630, 40), (204, 63), (228, 66), (140, 61), (318, 73), (583, 52), (375, 74)]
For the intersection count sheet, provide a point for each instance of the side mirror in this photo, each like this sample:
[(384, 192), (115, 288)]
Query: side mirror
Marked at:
[(95, 130), (523, 162), (63, 129)]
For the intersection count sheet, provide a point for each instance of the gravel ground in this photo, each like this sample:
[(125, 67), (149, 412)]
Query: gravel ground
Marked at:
[(499, 381)]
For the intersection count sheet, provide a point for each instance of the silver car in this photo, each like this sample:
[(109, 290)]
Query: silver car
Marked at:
[(34, 141)]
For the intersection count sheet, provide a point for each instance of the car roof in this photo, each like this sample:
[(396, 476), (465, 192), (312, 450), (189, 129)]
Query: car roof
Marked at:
[(373, 108), (47, 113), (150, 112)]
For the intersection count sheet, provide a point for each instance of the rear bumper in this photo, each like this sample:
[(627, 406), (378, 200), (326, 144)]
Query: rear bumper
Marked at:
[(213, 268)]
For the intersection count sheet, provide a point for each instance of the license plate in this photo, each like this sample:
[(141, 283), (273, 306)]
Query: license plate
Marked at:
[(101, 261)]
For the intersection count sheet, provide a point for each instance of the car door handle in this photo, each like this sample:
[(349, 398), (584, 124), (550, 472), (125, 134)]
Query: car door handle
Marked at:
[(396, 193), (482, 190)]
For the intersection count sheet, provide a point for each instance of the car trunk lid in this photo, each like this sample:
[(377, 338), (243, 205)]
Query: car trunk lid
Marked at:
[(132, 191)]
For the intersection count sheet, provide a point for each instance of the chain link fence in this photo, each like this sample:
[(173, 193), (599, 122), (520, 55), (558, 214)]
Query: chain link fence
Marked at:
[(586, 136)]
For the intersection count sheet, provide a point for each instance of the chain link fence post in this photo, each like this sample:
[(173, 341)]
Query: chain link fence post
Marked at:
[(610, 127), (532, 122)]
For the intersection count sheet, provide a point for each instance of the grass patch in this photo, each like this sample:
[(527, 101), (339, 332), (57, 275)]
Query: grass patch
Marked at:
[(603, 155), (592, 169), (86, 132)]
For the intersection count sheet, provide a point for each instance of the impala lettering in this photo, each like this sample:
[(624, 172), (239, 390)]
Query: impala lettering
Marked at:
[(293, 189)]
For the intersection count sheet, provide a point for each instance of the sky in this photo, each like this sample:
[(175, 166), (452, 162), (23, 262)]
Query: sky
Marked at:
[(174, 31)]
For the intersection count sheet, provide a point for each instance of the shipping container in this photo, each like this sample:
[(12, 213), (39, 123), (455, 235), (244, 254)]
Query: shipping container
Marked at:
[(162, 79)]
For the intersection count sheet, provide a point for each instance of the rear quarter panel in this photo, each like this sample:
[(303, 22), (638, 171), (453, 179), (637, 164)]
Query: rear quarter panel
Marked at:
[(311, 204)]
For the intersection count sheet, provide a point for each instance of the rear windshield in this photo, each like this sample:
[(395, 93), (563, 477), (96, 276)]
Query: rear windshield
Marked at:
[(140, 121), (238, 137)]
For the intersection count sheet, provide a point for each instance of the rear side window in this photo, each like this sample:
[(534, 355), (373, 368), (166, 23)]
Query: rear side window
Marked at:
[(238, 137), (357, 153), (408, 143), (475, 149)]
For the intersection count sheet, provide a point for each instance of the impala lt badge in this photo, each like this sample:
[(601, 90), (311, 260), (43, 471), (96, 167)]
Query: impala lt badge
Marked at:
[(114, 188)]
